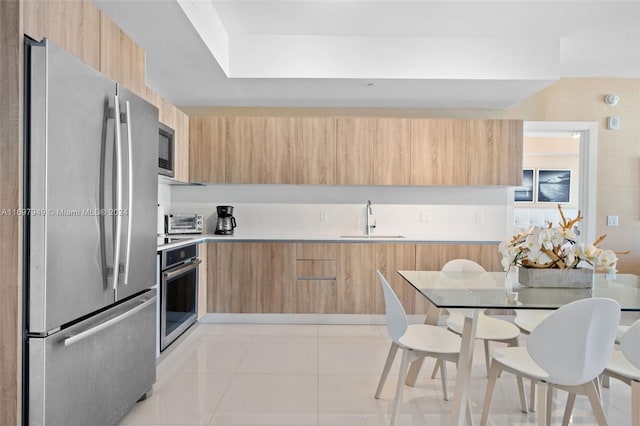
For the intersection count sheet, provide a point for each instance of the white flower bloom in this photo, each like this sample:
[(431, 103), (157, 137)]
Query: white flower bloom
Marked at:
[(532, 243), (538, 257), (568, 234), (569, 251), (607, 260)]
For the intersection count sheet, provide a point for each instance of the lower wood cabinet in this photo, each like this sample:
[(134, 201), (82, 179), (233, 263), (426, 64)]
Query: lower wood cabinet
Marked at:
[(333, 278), (252, 278)]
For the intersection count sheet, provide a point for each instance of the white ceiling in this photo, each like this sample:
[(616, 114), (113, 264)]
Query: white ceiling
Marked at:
[(370, 53)]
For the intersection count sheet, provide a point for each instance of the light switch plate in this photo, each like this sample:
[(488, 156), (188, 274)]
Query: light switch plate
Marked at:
[(612, 220)]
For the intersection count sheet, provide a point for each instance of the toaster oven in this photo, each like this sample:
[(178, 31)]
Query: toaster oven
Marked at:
[(184, 223)]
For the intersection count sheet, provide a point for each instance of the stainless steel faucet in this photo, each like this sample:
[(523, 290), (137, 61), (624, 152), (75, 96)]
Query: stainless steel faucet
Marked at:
[(371, 222)]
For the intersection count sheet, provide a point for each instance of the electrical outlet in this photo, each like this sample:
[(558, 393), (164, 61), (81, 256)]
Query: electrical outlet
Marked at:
[(612, 220), (479, 218), (425, 217), (324, 217)]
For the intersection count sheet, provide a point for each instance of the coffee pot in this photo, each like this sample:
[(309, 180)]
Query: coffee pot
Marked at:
[(226, 222)]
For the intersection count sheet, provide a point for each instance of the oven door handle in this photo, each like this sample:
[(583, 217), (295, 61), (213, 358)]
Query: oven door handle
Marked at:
[(171, 273)]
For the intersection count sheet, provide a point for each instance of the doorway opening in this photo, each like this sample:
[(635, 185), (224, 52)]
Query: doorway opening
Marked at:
[(562, 157)]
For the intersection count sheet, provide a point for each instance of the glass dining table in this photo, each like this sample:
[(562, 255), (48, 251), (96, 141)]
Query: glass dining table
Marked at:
[(477, 291)]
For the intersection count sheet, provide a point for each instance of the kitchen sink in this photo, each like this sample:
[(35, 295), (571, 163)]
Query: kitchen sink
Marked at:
[(372, 236)]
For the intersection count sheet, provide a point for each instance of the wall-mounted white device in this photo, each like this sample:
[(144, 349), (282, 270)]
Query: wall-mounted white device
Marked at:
[(613, 123), (611, 99)]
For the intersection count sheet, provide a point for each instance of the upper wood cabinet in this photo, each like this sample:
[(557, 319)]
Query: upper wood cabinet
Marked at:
[(355, 140), (496, 147), (261, 150), (206, 149), (466, 152), (356, 151), (120, 57), (317, 150), (392, 152), (439, 151), (72, 24)]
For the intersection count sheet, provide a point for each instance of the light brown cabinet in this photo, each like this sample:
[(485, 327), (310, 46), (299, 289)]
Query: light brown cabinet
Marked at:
[(439, 151), (120, 57), (261, 150), (466, 152), (251, 278), (392, 152), (355, 139), (310, 278), (316, 288), (255, 150), (357, 151), (432, 257), (317, 150), (72, 24), (206, 149), (496, 147)]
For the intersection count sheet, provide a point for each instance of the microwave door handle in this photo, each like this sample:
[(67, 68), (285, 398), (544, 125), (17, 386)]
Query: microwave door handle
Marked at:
[(118, 234), (130, 192)]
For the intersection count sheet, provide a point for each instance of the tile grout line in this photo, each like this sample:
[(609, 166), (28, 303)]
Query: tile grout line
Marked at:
[(233, 375)]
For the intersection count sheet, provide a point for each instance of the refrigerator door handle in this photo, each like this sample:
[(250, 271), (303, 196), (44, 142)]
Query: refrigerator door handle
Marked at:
[(118, 235), (90, 332), (130, 192)]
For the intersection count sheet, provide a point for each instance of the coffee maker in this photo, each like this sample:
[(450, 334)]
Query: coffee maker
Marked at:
[(226, 222)]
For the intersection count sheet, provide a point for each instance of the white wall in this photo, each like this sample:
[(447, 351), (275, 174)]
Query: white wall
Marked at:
[(431, 213)]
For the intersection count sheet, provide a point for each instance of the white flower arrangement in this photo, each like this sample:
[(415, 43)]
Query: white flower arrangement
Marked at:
[(555, 247)]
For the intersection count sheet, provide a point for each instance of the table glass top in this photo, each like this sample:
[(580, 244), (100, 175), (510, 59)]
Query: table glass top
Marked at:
[(494, 290)]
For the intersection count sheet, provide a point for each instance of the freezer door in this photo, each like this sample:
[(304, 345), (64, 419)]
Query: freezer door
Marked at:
[(94, 372), (69, 144), (140, 194)]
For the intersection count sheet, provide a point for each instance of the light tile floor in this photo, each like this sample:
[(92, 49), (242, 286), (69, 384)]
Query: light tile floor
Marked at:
[(323, 375)]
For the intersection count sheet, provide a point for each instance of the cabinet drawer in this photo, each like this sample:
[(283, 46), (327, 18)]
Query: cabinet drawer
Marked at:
[(318, 251), (315, 269), (316, 297)]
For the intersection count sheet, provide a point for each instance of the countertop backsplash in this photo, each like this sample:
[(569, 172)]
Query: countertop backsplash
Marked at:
[(303, 210)]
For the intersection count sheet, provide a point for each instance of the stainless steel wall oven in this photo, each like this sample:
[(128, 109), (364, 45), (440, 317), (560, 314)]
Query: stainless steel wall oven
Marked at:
[(178, 292)]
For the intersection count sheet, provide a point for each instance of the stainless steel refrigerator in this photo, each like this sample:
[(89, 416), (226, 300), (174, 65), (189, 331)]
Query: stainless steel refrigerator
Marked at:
[(90, 198)]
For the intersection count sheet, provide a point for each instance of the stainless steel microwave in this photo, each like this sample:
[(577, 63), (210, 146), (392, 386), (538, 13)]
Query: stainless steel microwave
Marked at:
[(166, 151)]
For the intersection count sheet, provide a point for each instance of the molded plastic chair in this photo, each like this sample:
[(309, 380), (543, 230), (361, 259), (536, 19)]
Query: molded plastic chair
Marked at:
[(493, 329), (416, 341), (567, 350), (624, 365), (528, 319)]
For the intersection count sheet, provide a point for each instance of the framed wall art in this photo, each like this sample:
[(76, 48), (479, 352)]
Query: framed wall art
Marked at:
[(524, 193), (554, 186)]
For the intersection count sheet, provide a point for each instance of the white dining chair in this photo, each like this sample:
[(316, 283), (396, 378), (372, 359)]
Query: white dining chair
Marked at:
[(527, 320), (416, 341), (624, 365), (567, 350), (489, 329)]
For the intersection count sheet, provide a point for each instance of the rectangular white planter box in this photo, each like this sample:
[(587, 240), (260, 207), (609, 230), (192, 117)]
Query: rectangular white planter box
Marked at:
[(556, 278)]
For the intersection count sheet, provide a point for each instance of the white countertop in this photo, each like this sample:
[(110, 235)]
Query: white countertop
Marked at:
[(305, 238)]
